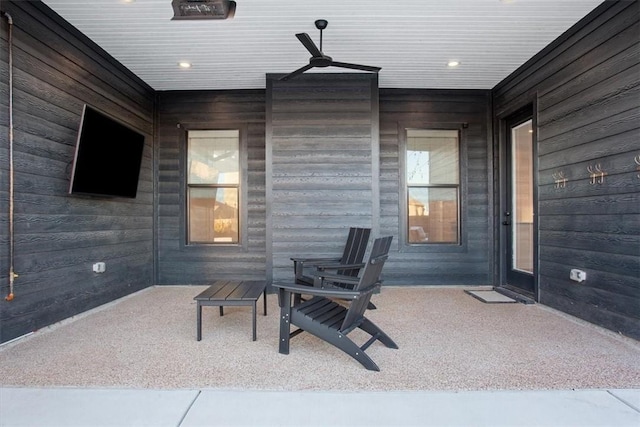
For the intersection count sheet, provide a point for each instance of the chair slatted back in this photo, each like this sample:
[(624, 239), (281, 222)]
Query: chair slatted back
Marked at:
[(370, 275), (355, 249)]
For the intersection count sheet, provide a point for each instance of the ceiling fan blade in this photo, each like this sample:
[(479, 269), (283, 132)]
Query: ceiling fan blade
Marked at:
[(296, 72), (309, 44), (355, 66)]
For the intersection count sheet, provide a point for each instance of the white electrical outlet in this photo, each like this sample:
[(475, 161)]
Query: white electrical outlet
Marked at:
[(577, 275), (99, 267)]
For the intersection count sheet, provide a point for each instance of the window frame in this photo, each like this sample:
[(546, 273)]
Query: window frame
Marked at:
[(242, 187), (403, 199)]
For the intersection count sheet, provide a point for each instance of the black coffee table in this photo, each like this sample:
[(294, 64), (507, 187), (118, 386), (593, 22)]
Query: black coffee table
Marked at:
[(231, 293)]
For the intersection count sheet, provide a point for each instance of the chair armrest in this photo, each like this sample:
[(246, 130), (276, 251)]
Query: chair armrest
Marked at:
[(298, 263), (334, 266), (319, 279), (312, 260), (328, 292)]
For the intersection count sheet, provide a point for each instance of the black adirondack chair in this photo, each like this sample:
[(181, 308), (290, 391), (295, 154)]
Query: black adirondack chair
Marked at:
[(349, 264), (332, 321)]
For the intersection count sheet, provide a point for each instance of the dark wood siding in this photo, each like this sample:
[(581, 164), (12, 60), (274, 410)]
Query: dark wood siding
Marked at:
[(464, 264), (58, 237), (322, 166), (322, 151), (181, 264), (587, 90)]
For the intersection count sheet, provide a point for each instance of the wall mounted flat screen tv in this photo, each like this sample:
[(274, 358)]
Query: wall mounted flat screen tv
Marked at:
[(108, 157)]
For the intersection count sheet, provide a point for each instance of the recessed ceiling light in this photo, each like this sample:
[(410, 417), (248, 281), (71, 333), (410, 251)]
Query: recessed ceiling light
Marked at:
[(127, 1), (453, 64), (184, 64)]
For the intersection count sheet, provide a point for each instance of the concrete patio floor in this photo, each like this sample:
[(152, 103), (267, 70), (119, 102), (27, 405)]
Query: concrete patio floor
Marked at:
[(135, 362)]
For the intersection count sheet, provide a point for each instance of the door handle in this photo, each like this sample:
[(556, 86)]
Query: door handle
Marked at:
[(506, 221)]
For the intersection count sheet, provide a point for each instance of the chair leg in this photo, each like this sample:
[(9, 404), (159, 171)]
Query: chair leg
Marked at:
[(285, 321), (336, 338), (369, 327), (352, 349), (345, 344)]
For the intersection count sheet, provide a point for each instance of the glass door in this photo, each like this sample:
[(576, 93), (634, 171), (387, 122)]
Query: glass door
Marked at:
[(519, 215)]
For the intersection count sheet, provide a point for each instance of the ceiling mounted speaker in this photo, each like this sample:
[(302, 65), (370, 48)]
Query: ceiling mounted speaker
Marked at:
[(203, 9)]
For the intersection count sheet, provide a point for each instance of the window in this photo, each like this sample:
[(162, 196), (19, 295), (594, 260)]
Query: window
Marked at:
[(213, 186), (433, 186)]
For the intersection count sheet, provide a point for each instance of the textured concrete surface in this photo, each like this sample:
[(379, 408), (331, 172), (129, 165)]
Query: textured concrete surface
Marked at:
[(461, 362), (448, 341)]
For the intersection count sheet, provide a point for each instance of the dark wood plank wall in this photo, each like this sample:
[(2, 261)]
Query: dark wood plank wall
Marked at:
[(183, 264), (58, 237), (587, 89), (464, 264), (322, 151)]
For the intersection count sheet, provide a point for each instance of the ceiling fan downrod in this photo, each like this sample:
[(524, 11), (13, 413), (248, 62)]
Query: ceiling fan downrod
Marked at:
[(321, 24)]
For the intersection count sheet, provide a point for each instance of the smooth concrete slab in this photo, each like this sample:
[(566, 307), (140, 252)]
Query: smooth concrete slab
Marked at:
[(630, 397), (71, 407), (189, 408), (499, 408)]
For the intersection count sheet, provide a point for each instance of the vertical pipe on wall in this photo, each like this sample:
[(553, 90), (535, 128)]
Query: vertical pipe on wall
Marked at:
[(12, 274)]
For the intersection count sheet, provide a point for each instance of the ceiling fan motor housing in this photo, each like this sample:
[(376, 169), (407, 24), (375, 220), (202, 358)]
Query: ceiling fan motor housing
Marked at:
[(321, 61)]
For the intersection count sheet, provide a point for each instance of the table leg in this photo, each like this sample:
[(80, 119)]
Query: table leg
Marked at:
[(255, 303), (221, 311), (264, 300), (199, 322)]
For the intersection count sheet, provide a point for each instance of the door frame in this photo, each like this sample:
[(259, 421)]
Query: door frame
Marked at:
[(503, 139)]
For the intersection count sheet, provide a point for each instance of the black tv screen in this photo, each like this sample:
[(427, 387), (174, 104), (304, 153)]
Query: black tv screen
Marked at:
[(108, 157)]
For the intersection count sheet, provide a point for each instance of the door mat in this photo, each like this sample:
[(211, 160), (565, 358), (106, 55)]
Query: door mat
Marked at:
[(491, 297)]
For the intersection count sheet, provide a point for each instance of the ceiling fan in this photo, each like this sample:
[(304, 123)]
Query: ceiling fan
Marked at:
[(319, 59)]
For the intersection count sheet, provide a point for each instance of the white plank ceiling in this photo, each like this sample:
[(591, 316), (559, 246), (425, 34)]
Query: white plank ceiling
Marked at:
[(412, 40)]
